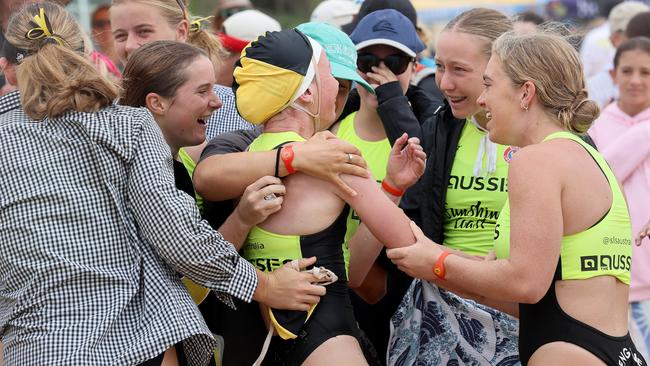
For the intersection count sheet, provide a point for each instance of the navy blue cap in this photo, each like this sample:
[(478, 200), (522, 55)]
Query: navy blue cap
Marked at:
[(388, 27)]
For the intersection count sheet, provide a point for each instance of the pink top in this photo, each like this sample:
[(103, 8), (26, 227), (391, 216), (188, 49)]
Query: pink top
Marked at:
[(624, 141)]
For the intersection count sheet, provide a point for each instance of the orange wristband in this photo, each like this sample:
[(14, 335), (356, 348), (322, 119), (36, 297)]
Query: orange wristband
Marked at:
[(439, 267), (287, 158), (392, 190)]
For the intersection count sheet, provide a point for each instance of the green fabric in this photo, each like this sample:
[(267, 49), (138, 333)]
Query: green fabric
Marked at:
[(266, 250), (190, 165), (339, 49), (376, 154), (472, 204), (603, 249)]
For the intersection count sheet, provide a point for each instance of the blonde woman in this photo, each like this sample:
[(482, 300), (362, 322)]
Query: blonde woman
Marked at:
[(563, 252)]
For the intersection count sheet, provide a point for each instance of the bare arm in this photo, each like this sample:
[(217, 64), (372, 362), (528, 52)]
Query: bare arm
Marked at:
[(535, 239), (222, 177)]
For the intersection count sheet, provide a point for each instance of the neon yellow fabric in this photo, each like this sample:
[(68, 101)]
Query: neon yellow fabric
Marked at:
[(473, 203), (603, 249), (376, 154), (266, 250), (190, 165)]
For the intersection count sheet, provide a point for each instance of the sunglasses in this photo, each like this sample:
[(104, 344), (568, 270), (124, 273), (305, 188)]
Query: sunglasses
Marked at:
[(396, 63)]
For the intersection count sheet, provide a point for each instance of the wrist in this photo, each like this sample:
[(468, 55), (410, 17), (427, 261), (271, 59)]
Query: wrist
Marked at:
[(287, 155), (439, 269), (391, 188)]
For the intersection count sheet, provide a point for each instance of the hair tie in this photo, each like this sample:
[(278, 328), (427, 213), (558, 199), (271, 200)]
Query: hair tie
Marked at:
[(42, 30), (197, 24)]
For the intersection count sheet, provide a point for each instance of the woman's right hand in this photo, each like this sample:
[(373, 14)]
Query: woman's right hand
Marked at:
[(326, 157), (644, 233), (289, 288), (260, 199)]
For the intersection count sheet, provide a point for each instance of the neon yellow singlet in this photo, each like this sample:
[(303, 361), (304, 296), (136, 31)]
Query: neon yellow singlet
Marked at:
[(266, 250), (376, 154), (472, 203), (190, 165), (603, 249)]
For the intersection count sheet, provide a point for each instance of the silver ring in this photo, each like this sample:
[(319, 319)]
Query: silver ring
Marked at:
[(270, 197), (349, 158)]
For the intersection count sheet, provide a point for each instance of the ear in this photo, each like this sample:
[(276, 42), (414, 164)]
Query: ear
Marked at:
[(157, 105), (528, 92), (307, 97), (9, 71), (182, 31)]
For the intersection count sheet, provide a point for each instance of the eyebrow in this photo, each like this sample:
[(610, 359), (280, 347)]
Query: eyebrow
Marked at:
[(205, 85)]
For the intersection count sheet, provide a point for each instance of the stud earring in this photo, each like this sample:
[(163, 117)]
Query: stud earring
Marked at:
[(488, 115)]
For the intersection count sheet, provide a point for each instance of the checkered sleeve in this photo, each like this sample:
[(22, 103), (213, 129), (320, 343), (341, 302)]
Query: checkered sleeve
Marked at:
[(9, 102), (170, 221)]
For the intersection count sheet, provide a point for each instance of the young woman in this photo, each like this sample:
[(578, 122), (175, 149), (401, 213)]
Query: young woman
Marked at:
[(314, 211), (622, 125), (90, 257), (567, 247), (457, 203)]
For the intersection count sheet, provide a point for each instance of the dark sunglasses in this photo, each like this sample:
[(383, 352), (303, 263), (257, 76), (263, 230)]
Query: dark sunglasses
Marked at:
[(396, 63)]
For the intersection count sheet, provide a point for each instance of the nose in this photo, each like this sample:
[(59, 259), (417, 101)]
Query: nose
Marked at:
[(446, 82), (481, 99), (131, 44), (215, 102)]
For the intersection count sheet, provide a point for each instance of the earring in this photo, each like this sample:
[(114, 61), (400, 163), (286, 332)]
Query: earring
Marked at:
[(524, 107), (488, 115)]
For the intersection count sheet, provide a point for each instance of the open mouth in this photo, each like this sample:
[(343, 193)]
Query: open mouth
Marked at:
[(456, 100), (203, 120)]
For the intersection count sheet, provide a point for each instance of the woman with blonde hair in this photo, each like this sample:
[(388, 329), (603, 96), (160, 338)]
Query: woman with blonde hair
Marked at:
[(563, 252), (89, 258)]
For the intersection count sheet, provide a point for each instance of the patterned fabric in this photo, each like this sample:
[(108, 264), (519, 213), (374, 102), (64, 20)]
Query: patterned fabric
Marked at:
[(226, 118), (9, 102), (92, 235), (640, 326), (435, 327)]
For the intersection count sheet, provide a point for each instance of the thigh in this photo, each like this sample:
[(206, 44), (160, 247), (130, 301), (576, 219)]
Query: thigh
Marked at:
[(563, 354), (339, 350)]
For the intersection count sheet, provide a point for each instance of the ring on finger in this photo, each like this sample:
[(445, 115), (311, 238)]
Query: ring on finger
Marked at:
[(270, 197), (349, 158)]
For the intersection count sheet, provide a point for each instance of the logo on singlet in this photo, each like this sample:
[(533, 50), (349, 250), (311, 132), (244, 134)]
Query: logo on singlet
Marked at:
[(605, 262), (509, 152)]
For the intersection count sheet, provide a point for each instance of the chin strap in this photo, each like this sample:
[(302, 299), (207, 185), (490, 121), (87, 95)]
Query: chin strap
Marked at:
[(316, 117), (485, 147)]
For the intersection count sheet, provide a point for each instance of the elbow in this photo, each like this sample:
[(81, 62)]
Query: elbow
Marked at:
[(529, 292)]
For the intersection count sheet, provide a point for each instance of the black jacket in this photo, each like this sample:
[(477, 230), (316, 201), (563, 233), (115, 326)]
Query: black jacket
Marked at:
[(439, 133)]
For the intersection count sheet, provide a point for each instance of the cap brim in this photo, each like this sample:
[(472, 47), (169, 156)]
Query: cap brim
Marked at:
[(387, 42), (342, 72)]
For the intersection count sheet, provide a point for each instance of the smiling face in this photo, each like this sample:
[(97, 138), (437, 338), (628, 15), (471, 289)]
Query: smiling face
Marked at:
[(185, 114), (502, 100), (134, 24), (632, 76), (460, 65)]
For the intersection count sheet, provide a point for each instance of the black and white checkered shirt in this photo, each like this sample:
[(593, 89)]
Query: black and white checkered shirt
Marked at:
[(92, 235), (9, 102), (226, 118)]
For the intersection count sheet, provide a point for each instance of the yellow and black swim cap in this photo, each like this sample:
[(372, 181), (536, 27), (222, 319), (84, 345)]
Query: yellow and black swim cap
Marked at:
[(272, 72)]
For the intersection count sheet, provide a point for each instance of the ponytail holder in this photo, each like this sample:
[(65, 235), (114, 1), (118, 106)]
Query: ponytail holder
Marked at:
[(197, 24), (42, 30)]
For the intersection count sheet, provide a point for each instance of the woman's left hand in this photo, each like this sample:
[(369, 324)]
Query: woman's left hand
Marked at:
[(417, 260), (406, 162)]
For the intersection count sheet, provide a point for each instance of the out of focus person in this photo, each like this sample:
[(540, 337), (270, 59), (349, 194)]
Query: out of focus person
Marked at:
[(238, 31), (600, 86), (227, 8), (100, 23), (527, 22), (639, 26), (596, 50), (621, 134), (335, 12)]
